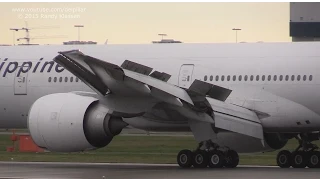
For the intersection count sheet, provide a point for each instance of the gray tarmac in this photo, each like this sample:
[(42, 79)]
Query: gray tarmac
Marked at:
[(141, 171)]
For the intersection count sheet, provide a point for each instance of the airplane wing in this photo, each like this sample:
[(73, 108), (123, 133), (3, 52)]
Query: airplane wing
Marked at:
[(105, 78), (202, 102)]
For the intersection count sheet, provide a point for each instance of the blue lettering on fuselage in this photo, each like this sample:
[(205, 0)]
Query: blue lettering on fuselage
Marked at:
[(27, 66)]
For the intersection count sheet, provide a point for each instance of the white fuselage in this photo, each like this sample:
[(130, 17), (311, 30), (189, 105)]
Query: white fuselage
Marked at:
[(21, 86)]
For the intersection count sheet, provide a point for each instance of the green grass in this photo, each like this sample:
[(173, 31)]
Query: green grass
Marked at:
[(138, 149)]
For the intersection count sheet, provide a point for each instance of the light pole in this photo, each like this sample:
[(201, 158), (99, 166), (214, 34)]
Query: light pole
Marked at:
[(14, 38), (78, 26), (236, 29)]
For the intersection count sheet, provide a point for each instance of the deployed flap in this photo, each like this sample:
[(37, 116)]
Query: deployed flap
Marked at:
[(200, 87), (236, 119), (160, 75), (135, 67), (238, 125), (213, 91), (219, 93)]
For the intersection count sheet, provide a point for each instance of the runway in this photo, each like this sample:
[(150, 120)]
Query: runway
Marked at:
[(151, 171)]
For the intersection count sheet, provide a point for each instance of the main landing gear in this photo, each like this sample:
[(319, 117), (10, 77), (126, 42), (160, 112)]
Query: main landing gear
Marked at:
[(305, 155), (208, 154)]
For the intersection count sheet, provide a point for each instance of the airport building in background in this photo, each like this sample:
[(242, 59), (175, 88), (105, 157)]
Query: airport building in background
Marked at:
[(166, 41), (79, 42), (305, 21)]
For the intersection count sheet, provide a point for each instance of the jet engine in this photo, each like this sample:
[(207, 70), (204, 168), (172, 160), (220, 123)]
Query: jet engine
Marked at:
[(66, 122)]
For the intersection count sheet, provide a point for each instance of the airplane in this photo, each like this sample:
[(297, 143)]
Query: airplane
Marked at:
[(234, 98)]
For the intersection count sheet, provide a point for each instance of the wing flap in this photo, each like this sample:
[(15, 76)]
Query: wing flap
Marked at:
[(213, 91), (160, 75), (135, 67), (238, 125), (236, 119)]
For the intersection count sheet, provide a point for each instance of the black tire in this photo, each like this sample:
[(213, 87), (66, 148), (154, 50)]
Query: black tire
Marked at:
[(184, 158), (284, 159), (232, 159), (313, 159), (200, 159), (299, 159), (216, 159)]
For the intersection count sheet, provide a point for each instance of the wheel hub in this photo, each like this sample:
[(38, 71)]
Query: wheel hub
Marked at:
[(183, 158), (199, 159), (314, 159), (298, 159), (215, 159), (283, 159)]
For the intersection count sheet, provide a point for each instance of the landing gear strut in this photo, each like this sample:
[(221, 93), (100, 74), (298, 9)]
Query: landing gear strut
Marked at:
[(208, 154), (305, 155)]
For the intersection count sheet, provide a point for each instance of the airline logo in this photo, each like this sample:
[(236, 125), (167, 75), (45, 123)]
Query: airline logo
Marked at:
[(8, 67)]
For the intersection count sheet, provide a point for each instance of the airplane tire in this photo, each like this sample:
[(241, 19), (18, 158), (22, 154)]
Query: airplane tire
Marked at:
[(232, 159), (200, 159), (216, 159), (299, 159), (284, 159), (313, 159), (184, 158)]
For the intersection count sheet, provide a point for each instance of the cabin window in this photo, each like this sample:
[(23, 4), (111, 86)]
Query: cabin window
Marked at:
[(234, 78), (245, 77), (228, 78), (251, 78), (205, 78), (275, 77), (292, 78), (55, 79), (77, 79), (304, 78), (217, 78), (60, 79), (269, 78), (257, 78), (49, 80), (222, 78), (310, 78), (71, 79), (298, 77), (66, 79), (287, 77), (211, 78), (280, 77), (240, 78), (263, 77)]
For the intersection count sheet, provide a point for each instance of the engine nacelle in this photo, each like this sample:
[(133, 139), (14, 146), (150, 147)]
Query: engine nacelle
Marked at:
[(66, 122)]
